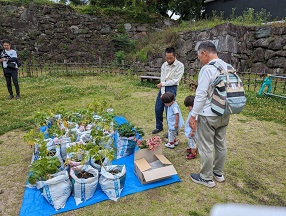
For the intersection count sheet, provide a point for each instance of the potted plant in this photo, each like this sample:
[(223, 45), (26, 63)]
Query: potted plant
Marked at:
[(112, 180), (53, 183), (127, 136), (84, 180)]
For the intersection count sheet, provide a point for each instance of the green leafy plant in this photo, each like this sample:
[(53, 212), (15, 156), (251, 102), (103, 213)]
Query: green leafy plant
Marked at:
[(128, 130), (43, 168), (78, 153), (33, 136)]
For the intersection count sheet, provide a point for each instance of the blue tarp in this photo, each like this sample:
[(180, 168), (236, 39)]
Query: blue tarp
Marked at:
[(35, 204)]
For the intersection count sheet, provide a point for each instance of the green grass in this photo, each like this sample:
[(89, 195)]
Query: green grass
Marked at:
[(255, 167)]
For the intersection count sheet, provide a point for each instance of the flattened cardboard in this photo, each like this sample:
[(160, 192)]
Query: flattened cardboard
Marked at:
[(159, 173), (142, 164), (142, 167), (163, 159)]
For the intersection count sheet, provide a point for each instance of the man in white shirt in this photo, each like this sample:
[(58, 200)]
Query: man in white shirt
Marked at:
[(211, 128), (9, 63), (171, 73)]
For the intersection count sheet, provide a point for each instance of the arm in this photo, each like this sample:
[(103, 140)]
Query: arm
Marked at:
[(177, 120), (202, 94), (160, 86)]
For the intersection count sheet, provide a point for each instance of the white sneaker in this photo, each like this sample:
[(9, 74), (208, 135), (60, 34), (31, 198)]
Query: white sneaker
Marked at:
[(197, 179), (176, 143), (219, 178), (168, 145)]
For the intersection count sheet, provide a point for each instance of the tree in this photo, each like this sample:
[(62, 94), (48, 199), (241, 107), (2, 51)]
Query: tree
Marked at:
[(187, 9)]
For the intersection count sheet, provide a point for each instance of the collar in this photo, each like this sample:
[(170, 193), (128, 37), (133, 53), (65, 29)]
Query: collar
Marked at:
[(174, 63)]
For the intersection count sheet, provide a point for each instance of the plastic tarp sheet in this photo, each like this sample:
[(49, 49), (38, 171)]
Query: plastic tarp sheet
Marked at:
[(35, 204)]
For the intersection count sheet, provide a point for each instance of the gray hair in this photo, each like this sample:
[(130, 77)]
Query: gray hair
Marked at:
[(207, 46)]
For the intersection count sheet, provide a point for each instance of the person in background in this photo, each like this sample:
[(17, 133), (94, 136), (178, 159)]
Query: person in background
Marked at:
[(174, 119), (192, 135), (211, 128), (10, 63), (171, 73)]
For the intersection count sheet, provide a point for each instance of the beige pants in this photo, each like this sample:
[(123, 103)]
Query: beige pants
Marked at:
[(212, 144)]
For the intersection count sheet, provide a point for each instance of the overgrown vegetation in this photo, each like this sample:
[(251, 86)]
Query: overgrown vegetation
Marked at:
[(157, 41)]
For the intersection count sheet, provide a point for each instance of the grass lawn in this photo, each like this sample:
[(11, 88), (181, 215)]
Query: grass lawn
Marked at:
[(255, 167)]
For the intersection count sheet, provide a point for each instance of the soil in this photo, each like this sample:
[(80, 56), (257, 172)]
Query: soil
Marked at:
[(52, 153), (84, 175), (114, 172)]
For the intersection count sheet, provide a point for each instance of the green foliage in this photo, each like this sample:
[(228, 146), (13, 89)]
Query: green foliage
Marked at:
[(154, 43), (40, 2), (260, 107), (24, 54), (249, 17), (120, 56), (128, 130), (33, 136), (42, 169), (123, 42), (142, 55)]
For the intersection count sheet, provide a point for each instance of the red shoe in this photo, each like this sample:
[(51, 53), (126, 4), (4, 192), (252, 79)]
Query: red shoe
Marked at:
[(189, 150), (191, 156)]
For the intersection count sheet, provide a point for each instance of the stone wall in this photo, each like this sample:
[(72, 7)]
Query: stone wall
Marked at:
[(257, 49), (58, 32)]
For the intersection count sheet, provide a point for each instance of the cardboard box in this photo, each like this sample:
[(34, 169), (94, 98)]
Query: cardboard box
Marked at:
[(144, 159)]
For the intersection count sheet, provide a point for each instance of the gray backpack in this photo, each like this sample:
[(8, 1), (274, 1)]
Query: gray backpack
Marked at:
[(228, 95)]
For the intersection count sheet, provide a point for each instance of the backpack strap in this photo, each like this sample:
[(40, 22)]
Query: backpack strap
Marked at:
[(218, 66)]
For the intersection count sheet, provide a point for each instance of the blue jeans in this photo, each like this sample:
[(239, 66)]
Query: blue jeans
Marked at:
[(160, 106)]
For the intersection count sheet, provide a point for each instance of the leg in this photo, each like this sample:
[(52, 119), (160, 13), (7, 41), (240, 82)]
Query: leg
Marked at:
[(9, 83), (220, 146), (173, 90), (171, 139), (172, 136), (159, 109), (206, 134), (15, 81)]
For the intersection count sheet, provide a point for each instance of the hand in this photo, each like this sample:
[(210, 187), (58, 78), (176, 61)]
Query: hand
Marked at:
[(193, 123), (176, 125), (192, 134), (159, 85)]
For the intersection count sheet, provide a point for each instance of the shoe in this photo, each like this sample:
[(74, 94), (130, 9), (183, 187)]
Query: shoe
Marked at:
[(219, 178), (155, 131), (171, 146), (189, 150), (176, 142), (191, 156), (11, 97), (18, 97), (197, 179)]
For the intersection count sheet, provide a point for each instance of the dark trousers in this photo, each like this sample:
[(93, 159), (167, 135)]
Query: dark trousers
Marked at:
[(11, 75), (160, 106)]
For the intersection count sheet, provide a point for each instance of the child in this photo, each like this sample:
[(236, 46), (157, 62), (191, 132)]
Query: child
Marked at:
[(190, 134), (174, 118)]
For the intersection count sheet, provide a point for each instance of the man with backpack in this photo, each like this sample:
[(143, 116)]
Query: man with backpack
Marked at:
[(211, 128)]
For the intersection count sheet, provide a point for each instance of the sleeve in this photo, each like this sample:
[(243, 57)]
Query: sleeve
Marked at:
[(177, 77), (163, 90), (204, 81), (175, 110)]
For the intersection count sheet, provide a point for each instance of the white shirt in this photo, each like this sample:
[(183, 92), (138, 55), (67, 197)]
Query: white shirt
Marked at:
[(171, 74), (13, 54), (207, 75)]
